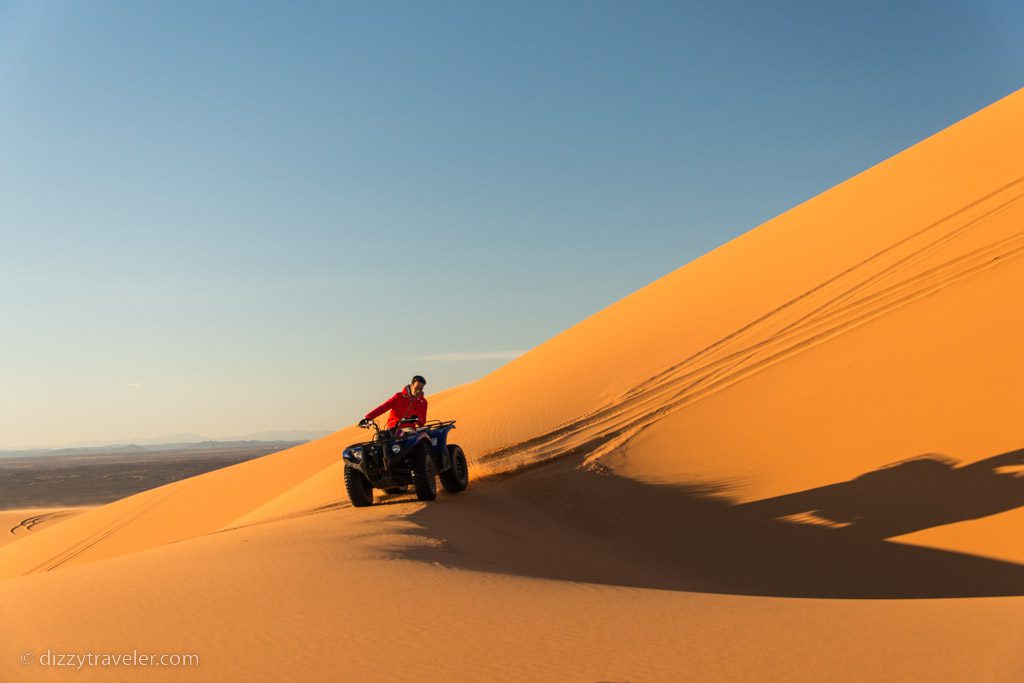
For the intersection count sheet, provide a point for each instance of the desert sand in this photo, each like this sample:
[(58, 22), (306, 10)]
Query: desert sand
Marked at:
[(797, 457)]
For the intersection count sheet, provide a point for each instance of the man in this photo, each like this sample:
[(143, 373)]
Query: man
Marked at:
[(409, 402)]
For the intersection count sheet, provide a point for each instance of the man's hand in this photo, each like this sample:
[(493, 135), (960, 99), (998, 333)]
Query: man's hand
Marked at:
[(364, 423)]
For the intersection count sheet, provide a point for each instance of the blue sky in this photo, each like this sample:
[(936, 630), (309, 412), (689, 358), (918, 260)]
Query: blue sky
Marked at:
[(229, 217)]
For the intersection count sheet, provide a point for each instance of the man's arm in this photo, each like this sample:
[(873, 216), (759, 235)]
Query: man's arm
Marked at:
[(423, 417), (382, 408)]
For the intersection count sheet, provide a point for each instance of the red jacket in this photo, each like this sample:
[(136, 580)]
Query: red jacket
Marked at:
[(403, 404)]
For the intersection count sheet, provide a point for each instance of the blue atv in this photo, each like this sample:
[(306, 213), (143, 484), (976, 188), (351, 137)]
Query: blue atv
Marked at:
[(395, 459)]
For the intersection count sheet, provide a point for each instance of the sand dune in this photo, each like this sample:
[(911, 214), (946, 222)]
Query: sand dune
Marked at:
[(747, 468), (340, 596)]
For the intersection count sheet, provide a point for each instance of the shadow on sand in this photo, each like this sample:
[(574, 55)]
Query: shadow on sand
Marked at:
[(559, 521)]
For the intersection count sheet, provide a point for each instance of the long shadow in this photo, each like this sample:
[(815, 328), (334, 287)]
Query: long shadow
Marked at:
[(559, 521), (908, 496)]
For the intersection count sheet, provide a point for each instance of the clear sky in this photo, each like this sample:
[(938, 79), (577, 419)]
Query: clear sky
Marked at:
[(229, 217)]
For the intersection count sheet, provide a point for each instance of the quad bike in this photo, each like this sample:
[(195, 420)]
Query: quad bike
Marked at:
[(395, 459)]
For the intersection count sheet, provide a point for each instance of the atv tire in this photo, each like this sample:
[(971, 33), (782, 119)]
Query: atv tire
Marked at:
[(424, 474), (457, 477), (360, 492)]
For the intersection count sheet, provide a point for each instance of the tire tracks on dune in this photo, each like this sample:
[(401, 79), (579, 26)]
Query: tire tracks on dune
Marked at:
[(850, 299), (100, 535), (319, 509), (928, 248), (30, 523), (1013, 185), (923, 253), (871, 305)]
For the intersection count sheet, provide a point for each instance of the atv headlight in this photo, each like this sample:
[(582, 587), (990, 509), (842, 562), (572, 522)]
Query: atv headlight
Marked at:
[(355, 454), (396, 447)]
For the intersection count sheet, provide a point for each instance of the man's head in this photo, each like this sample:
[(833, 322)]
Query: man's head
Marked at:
[(417, 384)]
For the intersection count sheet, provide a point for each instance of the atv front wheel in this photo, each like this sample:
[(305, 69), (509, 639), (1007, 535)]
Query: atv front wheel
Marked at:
[(457, 477), (360, 492), (424, 474)]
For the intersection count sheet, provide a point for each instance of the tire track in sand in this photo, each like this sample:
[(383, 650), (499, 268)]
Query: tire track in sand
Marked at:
[(100, 535)]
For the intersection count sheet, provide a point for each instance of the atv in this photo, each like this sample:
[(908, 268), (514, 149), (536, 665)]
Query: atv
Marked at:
[(395, 459)]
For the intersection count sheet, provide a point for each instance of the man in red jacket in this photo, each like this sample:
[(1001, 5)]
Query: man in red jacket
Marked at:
[(409, 402)]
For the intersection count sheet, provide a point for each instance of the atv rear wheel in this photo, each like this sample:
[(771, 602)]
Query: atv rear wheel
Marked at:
[(457, 477), (360, 492), (424, 474)]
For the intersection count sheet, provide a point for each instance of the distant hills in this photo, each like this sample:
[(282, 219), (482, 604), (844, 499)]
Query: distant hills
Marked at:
[(188, 437), (174, 442)]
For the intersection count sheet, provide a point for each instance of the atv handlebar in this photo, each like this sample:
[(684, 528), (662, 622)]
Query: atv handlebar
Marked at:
[(366, 424)]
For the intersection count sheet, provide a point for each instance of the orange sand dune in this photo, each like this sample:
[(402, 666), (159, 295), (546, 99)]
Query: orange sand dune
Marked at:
[(342, 596), (753, 464)]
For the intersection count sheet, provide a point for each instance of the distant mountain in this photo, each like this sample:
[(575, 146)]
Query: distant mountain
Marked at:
[(290, 435), (77, 450), (188, 437), (162, 443), (128, 448), (184, 437), (189, 442)]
